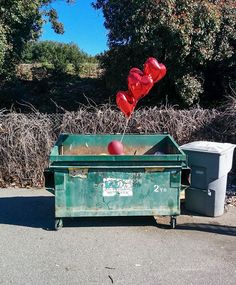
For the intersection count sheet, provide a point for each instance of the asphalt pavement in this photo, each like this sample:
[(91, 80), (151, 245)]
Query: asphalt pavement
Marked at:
[(118, 250)]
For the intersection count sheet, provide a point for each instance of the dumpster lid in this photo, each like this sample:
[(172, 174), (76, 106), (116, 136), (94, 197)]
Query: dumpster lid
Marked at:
[(206, 146)]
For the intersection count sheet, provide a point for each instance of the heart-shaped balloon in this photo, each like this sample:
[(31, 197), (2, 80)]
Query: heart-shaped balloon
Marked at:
[(126, 102), (139, 84), (136, 70), (155, 69)]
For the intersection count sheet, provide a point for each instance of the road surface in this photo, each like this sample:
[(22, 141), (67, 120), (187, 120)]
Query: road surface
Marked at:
[(134, 250)]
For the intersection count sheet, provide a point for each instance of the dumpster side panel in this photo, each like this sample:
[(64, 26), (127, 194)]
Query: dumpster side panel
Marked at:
[(104, 192), (144, 181)]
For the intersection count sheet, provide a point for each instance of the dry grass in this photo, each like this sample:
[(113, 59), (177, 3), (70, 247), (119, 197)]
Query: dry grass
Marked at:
[(181, 124), (26, 139)]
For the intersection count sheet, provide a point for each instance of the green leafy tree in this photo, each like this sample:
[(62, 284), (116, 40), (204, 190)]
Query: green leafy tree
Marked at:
[(195, 39), (57, 55), (21, 21)]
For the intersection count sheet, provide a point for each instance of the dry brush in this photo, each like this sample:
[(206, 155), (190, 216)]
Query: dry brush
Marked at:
[(26, 139)]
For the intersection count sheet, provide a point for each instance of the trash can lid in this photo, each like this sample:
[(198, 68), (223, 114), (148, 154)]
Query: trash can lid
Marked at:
[(205, 146)]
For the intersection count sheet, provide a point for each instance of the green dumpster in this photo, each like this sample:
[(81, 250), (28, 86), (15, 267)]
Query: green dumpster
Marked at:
[(87, 182)]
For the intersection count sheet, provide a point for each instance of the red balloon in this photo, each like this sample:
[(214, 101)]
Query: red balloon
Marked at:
[(162, 73), (115, 147), (139, 84), (155, 69), (126, 102), (136, 70), (147, 84)]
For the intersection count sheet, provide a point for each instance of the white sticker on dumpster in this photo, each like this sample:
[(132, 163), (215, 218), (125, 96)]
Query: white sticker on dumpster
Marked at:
[(116, 186)]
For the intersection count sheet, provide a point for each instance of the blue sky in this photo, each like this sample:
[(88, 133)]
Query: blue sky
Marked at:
[(83, 25)]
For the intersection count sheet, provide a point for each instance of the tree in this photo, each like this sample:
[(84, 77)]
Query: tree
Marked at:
[(58, 55), (21, 21), (196, 40)]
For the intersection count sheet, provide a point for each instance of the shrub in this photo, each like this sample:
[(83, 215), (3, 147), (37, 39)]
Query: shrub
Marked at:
[(26, 139), (61, 56)]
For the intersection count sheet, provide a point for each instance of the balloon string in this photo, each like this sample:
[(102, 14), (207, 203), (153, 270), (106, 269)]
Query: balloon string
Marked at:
[(126, 125)]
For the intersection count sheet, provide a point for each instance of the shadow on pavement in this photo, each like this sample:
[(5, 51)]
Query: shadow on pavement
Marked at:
[(34, 212), (38, 212), (110, 221), (202, 227), (210, 228)]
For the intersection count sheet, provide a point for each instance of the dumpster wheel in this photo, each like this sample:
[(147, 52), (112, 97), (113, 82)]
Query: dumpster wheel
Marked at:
[(58, 224), (173, 222)]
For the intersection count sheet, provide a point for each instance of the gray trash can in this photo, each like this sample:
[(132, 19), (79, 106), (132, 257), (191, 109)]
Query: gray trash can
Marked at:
[(210, 163)]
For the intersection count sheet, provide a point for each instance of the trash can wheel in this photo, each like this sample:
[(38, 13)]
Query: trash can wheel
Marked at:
[(58, 224), (173, 222)]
